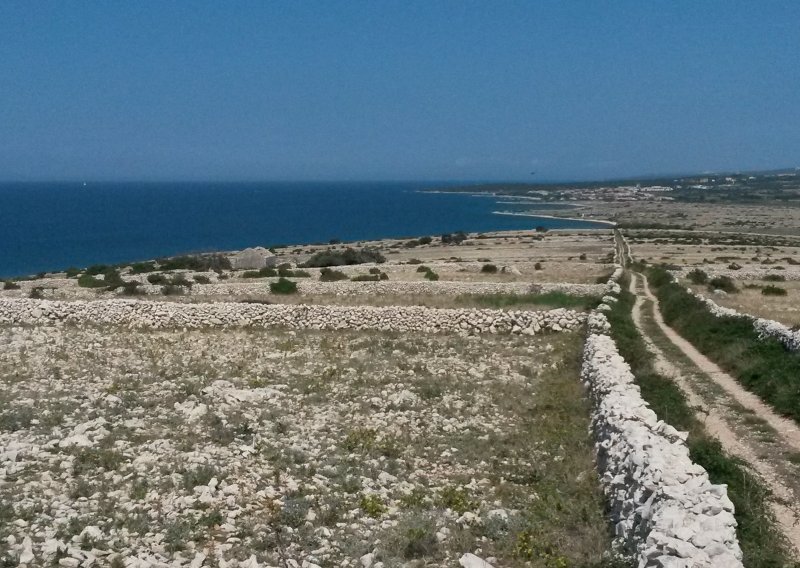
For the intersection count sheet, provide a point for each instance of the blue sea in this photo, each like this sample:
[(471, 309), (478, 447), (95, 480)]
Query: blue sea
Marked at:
[(52, 226)]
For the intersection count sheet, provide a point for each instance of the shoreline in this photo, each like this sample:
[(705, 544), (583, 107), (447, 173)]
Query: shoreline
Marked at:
[(597, 221)]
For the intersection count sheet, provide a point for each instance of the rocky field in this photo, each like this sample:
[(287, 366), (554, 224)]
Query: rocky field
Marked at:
[(252, 447)]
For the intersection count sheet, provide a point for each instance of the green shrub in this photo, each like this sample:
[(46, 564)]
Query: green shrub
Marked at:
[(287, 273), (374, 270), (201, 279), (431, 275), (197, 263), (582, 256), (181, 280), (36, 293), (89, 281), (172, 290), (773, 291), (346, 257), (97, 269), (538, 266), (131, 289), (157, 279), (373, 506), (454, 238), (697, 276), (423, 268), (489, 268), (774, 278), (283, 286), (143, 267), (414, 261), (724, 283), (328, 275), (383, 276), (10, 285), (265, 272), (72, 272), (365, 278)]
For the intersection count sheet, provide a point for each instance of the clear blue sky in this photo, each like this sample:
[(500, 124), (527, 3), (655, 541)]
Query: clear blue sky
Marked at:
[(396, 90)]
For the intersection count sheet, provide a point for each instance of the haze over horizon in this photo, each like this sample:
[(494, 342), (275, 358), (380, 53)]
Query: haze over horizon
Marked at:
[(412, 91)]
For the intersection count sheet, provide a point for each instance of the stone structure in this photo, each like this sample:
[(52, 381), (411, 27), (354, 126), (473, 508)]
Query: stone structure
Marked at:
[(253, 259), (666, 511), (137, 314)]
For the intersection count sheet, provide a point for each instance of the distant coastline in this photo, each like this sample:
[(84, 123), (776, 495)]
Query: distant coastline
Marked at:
[(538, 216), (48, 227)]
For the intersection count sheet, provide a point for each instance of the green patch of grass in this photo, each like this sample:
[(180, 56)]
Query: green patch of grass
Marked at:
[(373, 506), (360, 439), (762, 365), (456, 498)]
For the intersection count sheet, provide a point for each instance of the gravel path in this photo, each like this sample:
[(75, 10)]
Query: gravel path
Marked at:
[(718, 419)]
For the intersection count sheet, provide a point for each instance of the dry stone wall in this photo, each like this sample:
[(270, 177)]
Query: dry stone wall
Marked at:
[(135, 313), (742, 274), (69, 290), (665, 509)]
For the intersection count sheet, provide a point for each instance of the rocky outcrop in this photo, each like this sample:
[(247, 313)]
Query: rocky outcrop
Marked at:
[(253, 258), (132, 313), (666, 511)]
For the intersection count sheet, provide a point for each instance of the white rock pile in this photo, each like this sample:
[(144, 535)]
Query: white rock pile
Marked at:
[(665, 509), (137, 314)]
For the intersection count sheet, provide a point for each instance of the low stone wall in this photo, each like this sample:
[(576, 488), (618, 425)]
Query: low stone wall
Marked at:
[(765, 327), (743, 274), (343, 288), (133, 313), (665, 509)]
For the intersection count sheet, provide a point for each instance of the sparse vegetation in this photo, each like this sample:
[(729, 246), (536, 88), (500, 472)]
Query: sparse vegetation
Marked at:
[(348, 256), (724, 283), (196, 263), (773, 290), (697, 276), (265, 272), (283, 286), (329, 275)]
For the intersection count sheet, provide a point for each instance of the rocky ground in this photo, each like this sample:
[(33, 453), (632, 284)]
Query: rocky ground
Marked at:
[(278, 448)]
